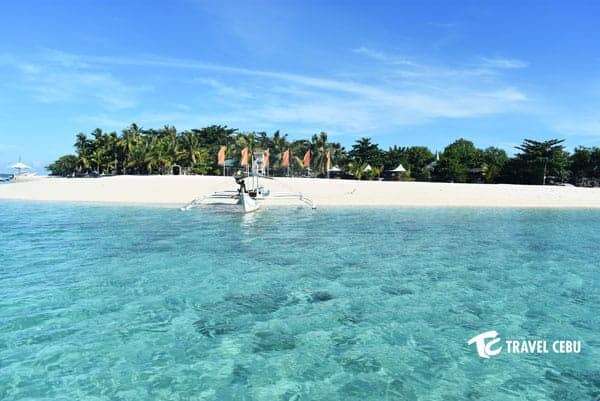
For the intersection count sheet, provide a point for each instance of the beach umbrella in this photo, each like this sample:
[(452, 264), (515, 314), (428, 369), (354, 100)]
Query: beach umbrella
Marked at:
[(399, 169), (368, 168)]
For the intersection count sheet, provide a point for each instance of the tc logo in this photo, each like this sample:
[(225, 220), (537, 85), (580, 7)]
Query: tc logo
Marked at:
[(484, 342)]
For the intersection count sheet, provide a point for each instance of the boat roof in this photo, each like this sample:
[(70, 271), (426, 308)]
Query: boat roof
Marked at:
[(20, 165)]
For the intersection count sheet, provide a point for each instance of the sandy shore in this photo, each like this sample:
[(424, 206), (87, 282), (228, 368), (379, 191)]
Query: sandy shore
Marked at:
[(181, 189)]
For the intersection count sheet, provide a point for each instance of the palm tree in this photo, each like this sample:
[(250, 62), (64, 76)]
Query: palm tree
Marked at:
[(364, 151), (320, 147), (138, 155), (97, 158), (156, 155), (111, 151), (244, 141), (83, 147), (298, 149), (494, 160), (280, 145), (100, 150), (130, 139), (357, 169), (171, 144), (190, 148)]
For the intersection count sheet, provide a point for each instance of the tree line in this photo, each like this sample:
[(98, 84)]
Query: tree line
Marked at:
[(155, 151)]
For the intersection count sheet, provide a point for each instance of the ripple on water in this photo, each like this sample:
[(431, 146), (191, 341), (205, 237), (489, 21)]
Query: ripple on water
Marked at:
[(339, 304)]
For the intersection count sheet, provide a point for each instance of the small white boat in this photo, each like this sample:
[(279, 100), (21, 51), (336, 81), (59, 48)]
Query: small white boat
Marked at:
[(248, 199), (26, 177), (248, 203), (22, 172), (249, 195)]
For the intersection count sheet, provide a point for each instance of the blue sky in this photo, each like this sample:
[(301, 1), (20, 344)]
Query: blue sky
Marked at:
[(403, 73)]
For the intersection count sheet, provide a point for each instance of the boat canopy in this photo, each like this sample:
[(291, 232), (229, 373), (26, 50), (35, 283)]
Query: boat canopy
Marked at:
[(20, 166)]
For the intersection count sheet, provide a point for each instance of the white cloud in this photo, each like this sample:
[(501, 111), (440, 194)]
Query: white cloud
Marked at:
[(400, 92), (384, 57), (57, 77), (504, 63), (583, 126)]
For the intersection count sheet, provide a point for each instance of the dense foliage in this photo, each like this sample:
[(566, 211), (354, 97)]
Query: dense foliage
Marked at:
[(157, 151)]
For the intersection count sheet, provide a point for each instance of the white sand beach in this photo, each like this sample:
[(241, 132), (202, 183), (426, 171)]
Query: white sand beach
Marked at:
[(175, 190)]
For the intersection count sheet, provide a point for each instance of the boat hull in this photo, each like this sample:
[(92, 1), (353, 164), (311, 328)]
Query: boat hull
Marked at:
[(248, 204)]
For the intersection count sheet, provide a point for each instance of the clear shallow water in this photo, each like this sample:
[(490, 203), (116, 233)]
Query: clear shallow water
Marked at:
[(133, 303), (4, 178)]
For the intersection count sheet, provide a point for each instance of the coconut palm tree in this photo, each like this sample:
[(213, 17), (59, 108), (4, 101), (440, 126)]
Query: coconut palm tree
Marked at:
[(130, 139), (320, 147), (364, 151), (137, 156), (190, 149), (83, 147), (357, 169), (280, 145)]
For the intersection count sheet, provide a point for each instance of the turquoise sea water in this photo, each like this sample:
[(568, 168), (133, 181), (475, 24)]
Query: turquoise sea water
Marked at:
[(4, 178), (140, 303)]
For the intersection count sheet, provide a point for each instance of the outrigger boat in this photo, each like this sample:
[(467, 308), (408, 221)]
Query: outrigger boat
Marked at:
[(248, 199), (22, 172)]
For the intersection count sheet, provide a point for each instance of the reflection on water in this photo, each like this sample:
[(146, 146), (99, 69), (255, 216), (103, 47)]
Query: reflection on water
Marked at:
[(293, 304), (248, 220)]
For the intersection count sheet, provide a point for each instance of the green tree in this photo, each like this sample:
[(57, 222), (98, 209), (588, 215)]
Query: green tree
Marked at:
[(138, 155), (320, 147), (358, 170), (585, 164), (298, 149), (542, 159), (395, 155), (131, 139), (457, 161), (84, 148), (280, 145), (65, 166), (494, 160), (366, 152), (417, 160)]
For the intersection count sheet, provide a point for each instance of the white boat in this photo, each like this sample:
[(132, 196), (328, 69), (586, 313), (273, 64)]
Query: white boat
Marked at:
[(248, 203), (248, 199), (32, 176), (250, 193), (22, 172)]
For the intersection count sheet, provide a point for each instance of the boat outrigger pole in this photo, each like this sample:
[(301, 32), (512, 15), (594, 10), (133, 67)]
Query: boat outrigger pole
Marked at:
[(247, 196)]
